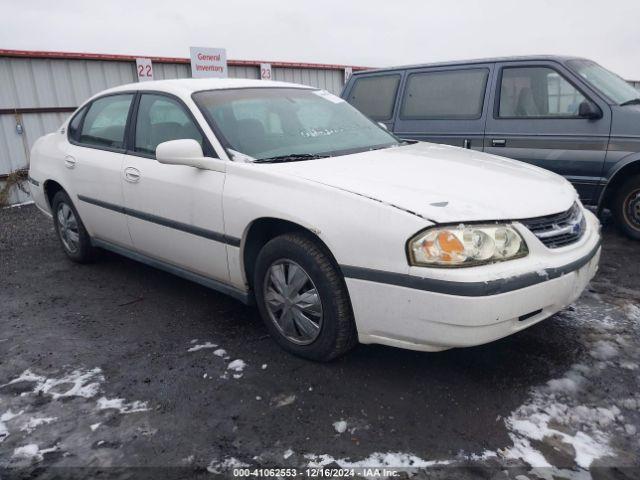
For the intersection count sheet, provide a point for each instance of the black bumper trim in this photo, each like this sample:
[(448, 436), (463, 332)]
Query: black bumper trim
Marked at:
[(466, 289)]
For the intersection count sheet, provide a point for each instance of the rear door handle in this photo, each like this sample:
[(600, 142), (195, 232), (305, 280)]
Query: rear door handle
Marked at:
[(132, 174), (498, 142), (69, 161)]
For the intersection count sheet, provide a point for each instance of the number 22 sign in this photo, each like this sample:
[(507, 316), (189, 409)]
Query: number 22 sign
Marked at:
[(144, 69)]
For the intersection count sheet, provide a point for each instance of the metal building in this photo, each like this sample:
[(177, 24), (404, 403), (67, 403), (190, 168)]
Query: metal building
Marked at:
[(38, 90)]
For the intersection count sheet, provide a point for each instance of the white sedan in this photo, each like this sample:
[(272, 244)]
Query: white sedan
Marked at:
[(285, 196)]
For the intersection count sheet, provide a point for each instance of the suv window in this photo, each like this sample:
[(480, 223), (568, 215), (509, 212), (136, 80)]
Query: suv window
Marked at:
[(537, 92), (447, 94), (161, 119), (105, 122), (375, 96)]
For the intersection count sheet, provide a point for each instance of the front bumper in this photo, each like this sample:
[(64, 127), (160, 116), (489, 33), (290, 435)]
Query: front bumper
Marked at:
[(431, 313)]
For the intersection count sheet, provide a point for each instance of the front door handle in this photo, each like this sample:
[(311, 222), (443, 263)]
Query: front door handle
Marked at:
[(132, 175), (498, 142), (69, 161)]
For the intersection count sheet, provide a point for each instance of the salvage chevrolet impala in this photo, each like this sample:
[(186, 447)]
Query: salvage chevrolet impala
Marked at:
[(287, 197)]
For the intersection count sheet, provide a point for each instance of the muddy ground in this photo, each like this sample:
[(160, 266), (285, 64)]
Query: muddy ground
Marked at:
[(115, 369)]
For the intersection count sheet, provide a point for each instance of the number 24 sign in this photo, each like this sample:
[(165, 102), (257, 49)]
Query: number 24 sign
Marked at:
[(144, 69)]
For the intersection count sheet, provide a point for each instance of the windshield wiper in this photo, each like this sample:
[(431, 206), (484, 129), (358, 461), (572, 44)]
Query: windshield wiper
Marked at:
[(633, 101), (291, 157)]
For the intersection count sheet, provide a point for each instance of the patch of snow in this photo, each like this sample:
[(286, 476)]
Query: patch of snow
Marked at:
[(629, 365), (287, 453), (340, 426), (35, 422), (631, 403), (221, 352), (487, 454), (5, 417), (604, 350), (95, 426), (571, 382), (284, 400), (202, 346), (226, 465), (82, 383), (236, 365), (395, 460), (120, 405), (544, 417), (32, 453), (633, 312), (237, 375), (264, 366)]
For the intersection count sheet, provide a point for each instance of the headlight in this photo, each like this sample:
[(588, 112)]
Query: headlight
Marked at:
[(466, 246)]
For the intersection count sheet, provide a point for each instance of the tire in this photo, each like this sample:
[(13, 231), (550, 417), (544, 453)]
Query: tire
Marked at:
[(626, 207), (283, 258), (72, 234)]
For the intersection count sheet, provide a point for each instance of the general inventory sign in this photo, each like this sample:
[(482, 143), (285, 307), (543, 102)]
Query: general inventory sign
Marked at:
[(209, 62)]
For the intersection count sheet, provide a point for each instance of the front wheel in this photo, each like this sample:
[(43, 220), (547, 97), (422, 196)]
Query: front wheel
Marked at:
[(626, 207), (303, 299)]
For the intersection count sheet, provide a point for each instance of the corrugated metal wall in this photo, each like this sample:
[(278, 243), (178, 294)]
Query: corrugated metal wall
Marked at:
[(50, 83)]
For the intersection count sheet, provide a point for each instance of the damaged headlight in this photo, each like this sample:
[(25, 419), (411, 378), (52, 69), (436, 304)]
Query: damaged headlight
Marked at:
[(466, 246)]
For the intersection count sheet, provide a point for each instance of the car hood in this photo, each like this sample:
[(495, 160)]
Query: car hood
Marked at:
[(442, 183)]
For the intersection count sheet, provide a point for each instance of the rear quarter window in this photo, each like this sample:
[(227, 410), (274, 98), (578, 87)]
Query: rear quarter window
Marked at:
[(448, 94), (375, 96)]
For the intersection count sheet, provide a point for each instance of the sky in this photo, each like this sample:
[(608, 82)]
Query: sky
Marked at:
[(358, 32)]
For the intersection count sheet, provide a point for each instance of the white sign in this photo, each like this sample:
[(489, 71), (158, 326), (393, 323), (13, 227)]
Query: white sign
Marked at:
[(208, 62), (144, 69), (347, 74), (265, 71)]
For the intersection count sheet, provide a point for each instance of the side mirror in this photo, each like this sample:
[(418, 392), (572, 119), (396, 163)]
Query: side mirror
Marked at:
[(589, 110), (187, 152)]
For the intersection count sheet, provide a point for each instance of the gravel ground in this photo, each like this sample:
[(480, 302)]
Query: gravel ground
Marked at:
[(115, 365)]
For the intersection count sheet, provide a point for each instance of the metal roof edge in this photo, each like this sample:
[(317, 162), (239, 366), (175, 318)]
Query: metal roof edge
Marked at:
[(131, 58)]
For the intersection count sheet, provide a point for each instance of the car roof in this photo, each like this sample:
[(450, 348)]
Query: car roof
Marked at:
[(556, 58), (186, 86)]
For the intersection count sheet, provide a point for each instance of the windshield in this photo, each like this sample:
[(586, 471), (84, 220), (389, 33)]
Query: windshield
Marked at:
[(275, 122), (604, 81)]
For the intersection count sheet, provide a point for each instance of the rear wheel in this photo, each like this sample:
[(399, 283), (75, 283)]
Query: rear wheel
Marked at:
[(626, 207), (303, 299), (73, 236)]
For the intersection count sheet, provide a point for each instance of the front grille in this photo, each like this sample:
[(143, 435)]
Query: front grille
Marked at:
[(560, 229)]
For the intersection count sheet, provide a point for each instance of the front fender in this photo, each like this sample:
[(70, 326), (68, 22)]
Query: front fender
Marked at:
[(357, 230)]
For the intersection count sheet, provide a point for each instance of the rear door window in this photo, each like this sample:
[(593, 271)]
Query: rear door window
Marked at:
[(105, 122), (445, 94), (375, 96)]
